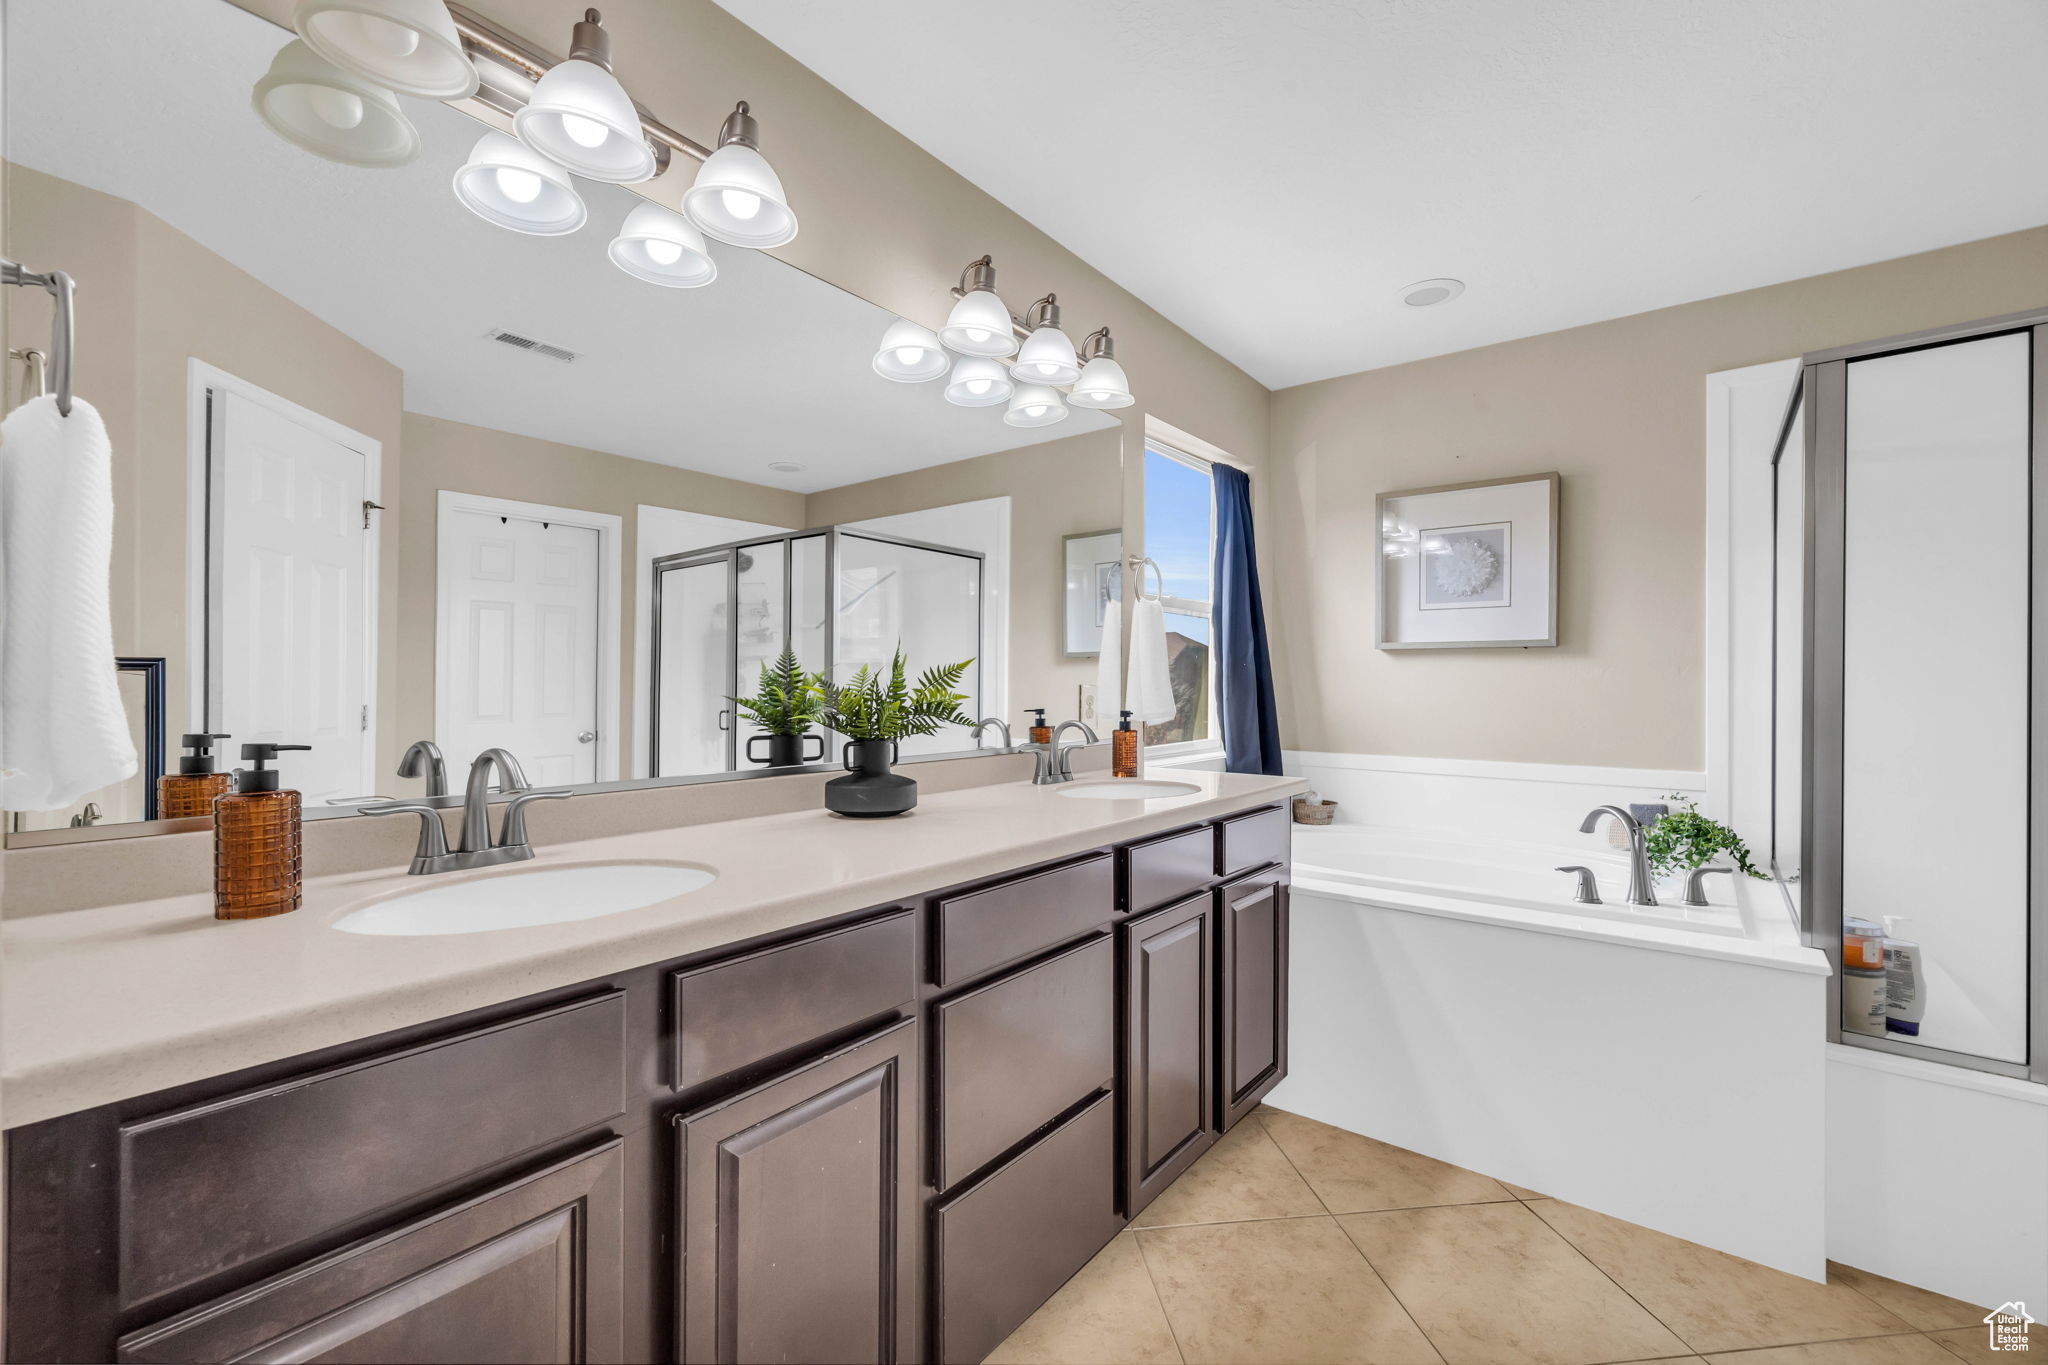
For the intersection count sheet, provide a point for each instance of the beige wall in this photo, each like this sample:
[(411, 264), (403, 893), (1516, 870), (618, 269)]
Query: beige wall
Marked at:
[(1057, 489), (440, 454), (1619, 409), (149, 298)]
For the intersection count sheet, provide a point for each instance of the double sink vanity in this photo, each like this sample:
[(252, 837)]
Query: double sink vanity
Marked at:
[(827, 1090)]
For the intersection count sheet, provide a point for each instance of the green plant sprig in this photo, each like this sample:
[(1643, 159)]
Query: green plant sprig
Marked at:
[(788, 701), (1684, 839), (869, 708)]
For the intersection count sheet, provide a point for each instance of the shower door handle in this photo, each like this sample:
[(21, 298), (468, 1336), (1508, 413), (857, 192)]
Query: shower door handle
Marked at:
[(724, 720)]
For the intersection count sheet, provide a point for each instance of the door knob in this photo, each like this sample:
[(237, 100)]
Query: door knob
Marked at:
[(586, 736)]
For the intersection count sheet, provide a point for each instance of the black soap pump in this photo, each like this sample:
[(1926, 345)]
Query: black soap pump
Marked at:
[(191, 790), (256, 862)]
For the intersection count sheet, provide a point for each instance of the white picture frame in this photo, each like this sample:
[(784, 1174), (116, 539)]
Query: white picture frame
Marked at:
[(1093, 576), (1468, 565)]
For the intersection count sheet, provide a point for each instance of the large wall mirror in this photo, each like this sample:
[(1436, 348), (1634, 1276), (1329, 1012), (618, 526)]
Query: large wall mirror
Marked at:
[(385, 472)]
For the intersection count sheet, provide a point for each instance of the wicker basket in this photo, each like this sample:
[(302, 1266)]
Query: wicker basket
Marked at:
[(1314, 813)]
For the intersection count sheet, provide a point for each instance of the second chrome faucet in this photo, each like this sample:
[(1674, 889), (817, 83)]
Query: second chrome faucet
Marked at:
[(476, 847)]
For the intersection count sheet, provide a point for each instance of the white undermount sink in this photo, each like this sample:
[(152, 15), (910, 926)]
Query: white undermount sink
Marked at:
[(1129, 789), (524, 899)]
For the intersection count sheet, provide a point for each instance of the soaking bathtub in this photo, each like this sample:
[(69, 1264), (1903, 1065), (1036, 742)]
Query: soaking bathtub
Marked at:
[(1660, 1064)]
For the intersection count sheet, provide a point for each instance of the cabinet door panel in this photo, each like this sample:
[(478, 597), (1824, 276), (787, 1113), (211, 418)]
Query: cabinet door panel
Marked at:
[(1168, 965), (529, 1271), (797, 1203), (1254, 995)]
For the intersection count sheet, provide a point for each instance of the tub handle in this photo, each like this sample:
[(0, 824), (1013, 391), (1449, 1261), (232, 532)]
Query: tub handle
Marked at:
[(1695, 890), (1588, 890)]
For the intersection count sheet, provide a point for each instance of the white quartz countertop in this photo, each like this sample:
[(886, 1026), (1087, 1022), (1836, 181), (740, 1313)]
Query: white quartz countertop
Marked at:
[(103, 1004)]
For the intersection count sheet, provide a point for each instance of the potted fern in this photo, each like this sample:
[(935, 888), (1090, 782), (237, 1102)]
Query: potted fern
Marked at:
[(786, 705), (875, 714)]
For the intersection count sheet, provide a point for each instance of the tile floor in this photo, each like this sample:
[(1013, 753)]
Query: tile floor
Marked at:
[(1294, 1242)]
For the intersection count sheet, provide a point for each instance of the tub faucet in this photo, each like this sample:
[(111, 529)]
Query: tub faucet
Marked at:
[(1640, 892), (1055, 764)]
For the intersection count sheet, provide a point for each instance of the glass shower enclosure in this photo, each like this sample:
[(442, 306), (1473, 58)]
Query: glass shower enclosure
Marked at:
[(841, 597), (1911, 655)]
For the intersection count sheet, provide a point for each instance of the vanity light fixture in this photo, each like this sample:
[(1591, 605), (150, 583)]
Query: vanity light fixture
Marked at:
[(909, 354), (661, 247), (582, 118), (1035, 405), (737, 197), (408, 46), (1102, 383), (979, 382), (980, 323), (1046, 357), (508, 183), (309, 101)]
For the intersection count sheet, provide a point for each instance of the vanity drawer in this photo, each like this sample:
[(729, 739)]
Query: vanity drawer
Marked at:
[(1244, 842), (1017, 1052), (1003, 1246), (733, 1013), (216, 1185), (1169, 868), (1001, 923)]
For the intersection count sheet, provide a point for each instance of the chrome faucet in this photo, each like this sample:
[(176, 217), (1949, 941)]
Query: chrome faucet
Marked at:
[(1000, 724), (476, 848), (426, 755), (1055, 762), (1695, 885), (1640, 891)]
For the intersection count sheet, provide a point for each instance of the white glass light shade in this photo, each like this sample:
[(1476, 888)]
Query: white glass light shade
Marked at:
[(1101, 385), (312, 103), (909, 354), (581, 117), (659, 246), (980, 325), (409, 46), (737, 198), (1047, 357), (979, 382), (1034, 405), (508, 183)]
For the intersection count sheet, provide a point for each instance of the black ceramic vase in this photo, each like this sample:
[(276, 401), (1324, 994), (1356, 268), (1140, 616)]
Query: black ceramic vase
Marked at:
[(870, 789), (785, 751)]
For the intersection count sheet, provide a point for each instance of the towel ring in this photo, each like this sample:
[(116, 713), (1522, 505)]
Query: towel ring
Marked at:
[(1138, 564), (62, 322)]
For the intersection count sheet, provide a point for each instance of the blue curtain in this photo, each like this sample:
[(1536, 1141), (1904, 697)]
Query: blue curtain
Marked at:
[(1244, 670)]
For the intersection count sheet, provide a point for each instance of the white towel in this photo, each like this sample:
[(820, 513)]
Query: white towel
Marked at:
[(1109, 669), (63, 732), (1149, 688)]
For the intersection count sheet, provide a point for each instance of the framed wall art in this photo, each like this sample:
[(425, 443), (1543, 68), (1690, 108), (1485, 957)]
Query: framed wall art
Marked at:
[(1469, 565)]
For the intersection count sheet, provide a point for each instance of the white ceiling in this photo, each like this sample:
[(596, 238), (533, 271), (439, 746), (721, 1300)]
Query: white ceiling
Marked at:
[(150, 102), (1269, 173)]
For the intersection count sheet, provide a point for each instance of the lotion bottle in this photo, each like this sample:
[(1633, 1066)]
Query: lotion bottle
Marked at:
[(1905, 984), (191, 790), (256, 864), (1123, 751)]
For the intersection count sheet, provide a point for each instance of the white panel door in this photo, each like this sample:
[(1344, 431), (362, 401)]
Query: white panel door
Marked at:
[(288, 641), (520, 609), (1935, 679)]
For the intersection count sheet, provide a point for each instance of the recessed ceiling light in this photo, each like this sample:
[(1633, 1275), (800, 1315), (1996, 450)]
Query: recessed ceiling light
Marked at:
[(1429, 293), (785, 467)]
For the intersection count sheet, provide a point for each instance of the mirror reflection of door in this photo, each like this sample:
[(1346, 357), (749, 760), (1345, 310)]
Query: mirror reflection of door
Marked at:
[(289, 556), (520, 611)]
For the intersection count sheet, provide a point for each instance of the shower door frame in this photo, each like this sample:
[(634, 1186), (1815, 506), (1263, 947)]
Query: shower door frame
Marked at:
[(1823, 388), (729, 553)]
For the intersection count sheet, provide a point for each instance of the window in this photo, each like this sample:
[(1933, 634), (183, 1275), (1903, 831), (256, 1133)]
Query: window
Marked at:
[(1180, 527)]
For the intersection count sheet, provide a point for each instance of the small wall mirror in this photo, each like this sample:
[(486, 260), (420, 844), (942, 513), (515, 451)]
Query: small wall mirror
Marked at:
[(387, 472)]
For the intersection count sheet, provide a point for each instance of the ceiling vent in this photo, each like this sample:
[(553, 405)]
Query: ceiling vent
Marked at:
[(527, 343)]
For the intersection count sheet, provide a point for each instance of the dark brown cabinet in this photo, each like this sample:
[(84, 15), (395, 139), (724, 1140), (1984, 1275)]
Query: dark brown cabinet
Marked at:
[(1169, 1055), (528, 1271), (798, 1213), (1252, 919), (886, 1136)]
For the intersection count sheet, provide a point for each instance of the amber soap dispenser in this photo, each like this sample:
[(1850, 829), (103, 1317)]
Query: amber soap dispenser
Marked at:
[(256, 841), (1123, 749), (190, 790), (1041, 733)]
